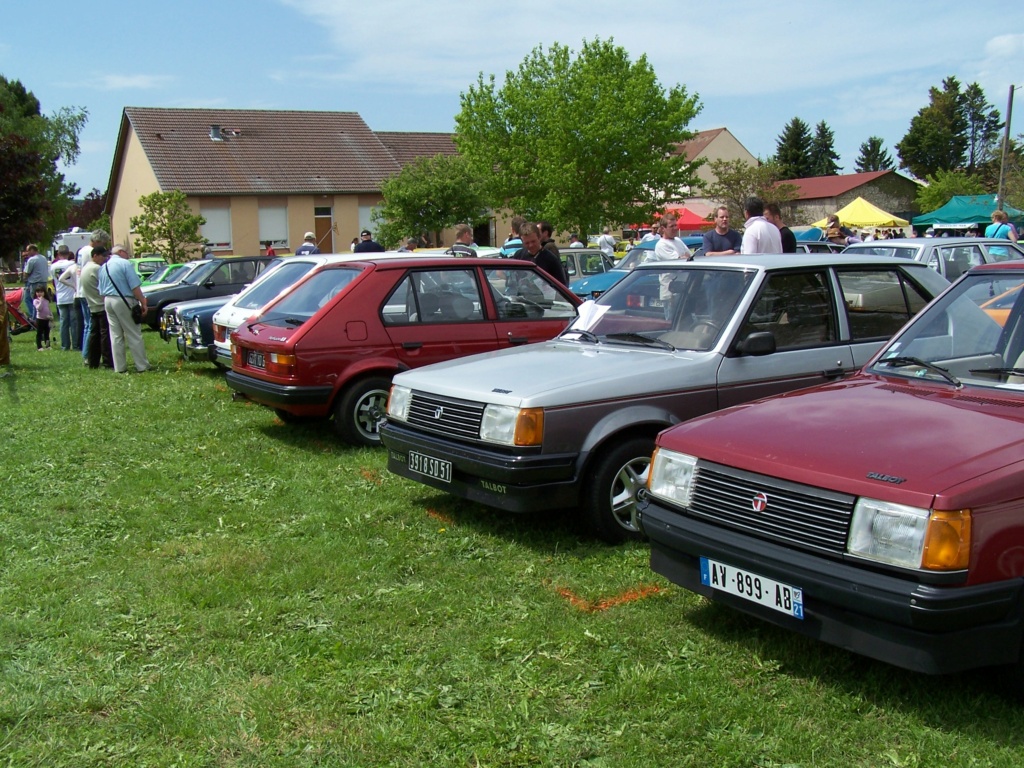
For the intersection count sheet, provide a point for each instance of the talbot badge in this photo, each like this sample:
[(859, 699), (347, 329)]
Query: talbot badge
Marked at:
[(439, 412), (759, 503)]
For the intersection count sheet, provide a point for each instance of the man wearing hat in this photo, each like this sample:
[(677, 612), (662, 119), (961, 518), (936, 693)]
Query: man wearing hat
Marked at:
[(366, 244), (308, 245)]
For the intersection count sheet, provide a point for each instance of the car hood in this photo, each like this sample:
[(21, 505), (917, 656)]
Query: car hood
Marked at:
[(563, 372), (601, 282), (231, 316), (867, 436), (198, 304)]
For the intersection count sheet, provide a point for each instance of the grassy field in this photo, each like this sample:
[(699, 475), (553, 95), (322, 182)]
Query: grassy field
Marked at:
[(186, 581)]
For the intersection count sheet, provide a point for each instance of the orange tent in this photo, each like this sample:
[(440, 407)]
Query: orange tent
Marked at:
[(687, 219)]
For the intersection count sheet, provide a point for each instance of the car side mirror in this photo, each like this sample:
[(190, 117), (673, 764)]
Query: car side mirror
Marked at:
[(757, 343), (209, 283)]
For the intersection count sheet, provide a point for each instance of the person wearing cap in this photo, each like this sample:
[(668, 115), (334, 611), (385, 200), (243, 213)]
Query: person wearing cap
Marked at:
[(366, 244), (308, 245)]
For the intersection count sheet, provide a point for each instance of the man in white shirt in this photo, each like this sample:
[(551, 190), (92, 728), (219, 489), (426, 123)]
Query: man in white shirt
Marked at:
[(670, 247), (607, 243), (70, 334), (759, 234)]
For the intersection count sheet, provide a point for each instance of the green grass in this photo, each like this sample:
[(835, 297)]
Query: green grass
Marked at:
[(186, 581)]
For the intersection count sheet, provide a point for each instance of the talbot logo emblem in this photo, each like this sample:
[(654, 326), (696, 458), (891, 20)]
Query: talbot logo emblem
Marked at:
[(438, 413), (759, 503)]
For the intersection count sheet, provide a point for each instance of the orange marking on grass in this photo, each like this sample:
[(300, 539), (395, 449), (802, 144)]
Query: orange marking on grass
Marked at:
[(629, 596), (440, 516)]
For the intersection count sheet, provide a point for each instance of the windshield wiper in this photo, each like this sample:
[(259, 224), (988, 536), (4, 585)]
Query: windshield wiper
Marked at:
[(904, 360), (632, 336), (585, 335), (999, 371)]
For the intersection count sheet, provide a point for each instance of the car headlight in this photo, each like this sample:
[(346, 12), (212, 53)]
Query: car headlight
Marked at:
[(398, 402), (671, 476), (509, 425), (197, 329), (910, 537)]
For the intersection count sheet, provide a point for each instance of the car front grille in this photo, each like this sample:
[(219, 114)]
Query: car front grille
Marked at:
[(446, 415), (797, 515)]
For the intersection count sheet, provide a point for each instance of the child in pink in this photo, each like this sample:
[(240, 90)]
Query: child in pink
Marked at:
[(43, 317)]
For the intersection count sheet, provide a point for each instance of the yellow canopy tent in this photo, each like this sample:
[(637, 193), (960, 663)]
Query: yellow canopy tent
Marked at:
[(861, 213)]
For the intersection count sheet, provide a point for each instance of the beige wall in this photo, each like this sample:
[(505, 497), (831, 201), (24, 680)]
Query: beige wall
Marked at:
[(135, 179)]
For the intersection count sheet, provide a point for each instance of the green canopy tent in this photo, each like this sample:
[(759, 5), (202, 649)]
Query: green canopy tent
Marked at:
[(965, 212)]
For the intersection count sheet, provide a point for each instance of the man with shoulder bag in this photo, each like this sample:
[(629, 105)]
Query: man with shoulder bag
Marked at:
[(125, 305)]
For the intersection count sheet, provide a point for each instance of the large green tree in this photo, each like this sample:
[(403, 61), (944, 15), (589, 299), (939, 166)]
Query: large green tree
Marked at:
[(580, 140), (945, 184), (793, 150), (823, 152), (427, 196), (34, 197), (873, 157), (937, 138), (167, 226), (736, 180), (983, 128)]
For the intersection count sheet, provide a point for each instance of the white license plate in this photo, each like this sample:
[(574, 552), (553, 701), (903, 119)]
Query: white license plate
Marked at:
[(439, 469), (750, 586), (255, 359)]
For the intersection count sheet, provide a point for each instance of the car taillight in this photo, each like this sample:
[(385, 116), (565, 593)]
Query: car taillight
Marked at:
[(220, 333), (281, 365), (236, 354)]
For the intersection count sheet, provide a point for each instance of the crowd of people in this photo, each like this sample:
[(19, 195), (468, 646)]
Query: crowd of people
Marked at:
[(99, 301)]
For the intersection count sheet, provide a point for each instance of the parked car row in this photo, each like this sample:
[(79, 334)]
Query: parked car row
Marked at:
[(880, 511)]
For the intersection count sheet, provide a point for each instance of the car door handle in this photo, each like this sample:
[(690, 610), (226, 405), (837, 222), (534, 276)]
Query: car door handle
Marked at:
[(412, 344), (517, 340), (834, 373)]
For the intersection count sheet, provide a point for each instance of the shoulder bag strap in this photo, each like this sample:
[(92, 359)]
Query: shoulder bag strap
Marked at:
[(114, 283)]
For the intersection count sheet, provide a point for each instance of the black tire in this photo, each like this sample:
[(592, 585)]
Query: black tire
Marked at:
[(359, 410), (610, 495)]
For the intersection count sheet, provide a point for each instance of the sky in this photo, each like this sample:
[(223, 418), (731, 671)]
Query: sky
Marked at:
[(864, 68)]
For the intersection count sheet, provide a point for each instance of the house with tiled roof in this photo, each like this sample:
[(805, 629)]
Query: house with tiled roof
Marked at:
[(261, 176), (714, 144), (819, 196)]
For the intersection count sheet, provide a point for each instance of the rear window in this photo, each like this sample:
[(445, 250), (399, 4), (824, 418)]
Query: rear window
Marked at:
[(285, 275), (309, 297)]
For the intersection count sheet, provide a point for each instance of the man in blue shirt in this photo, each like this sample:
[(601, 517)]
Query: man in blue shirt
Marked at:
[(308, 245), (36, 273), (121, 289), (722, 241)]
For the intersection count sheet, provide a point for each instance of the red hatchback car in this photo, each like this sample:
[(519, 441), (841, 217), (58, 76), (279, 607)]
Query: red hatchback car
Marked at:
[(330, 345)]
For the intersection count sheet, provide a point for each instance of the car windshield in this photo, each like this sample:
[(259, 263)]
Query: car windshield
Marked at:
[(202, 271), (283, 276), (306, 300), (634, 257), (672, 308), (973, 335), (165, 273)]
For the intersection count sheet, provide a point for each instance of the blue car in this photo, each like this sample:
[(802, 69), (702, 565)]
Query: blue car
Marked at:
[(593, 286)]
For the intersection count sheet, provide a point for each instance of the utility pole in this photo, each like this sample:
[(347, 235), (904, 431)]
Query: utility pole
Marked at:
[(1006, 148)]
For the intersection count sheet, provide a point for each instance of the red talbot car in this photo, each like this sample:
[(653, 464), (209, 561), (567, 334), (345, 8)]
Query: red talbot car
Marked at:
[(883, 513), (330, 345)]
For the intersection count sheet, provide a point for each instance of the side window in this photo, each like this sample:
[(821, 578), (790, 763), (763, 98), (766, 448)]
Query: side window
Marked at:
[(959, 259), (525, 293), (878, 302), (796, 308), (242, 271), (221, 274), (569, 264), (434, 296)]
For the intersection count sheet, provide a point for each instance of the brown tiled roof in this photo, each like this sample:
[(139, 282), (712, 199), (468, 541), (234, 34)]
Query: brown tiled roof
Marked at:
[(406, 147), (268, 152), (692, 148), (832, 186)]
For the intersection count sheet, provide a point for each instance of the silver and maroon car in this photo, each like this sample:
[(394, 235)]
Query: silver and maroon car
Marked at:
[(571, 422)]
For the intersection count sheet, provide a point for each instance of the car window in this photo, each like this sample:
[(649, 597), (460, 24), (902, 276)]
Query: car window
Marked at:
[(200, 274), (434, 296), (594, 263), (796, 307), (1005, 252), (238, 272), (521, 293), (884, 250), (684, 308), (308, 297), (878, 301), (569, 265), (956, 259), (285, 275)]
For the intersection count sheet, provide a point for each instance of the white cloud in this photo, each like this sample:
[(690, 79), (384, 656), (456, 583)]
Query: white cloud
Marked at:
[(129, 82)]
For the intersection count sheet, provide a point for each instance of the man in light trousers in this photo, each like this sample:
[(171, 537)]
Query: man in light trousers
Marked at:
[(121, 289)]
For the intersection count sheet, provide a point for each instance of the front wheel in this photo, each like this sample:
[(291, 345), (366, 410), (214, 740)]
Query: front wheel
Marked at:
[(610, 495), (360, 410)]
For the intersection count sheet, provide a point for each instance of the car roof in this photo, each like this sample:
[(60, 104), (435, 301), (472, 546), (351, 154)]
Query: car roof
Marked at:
[(787, 261), (401, 260), (923, 241)]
